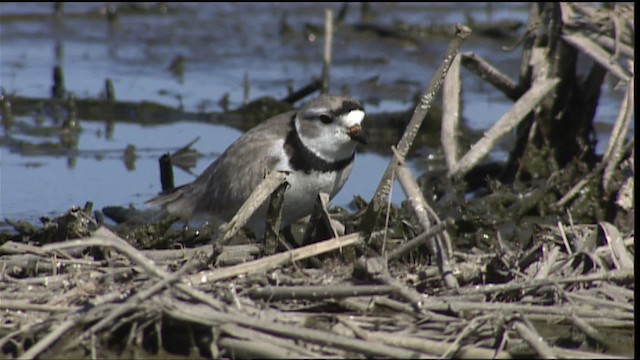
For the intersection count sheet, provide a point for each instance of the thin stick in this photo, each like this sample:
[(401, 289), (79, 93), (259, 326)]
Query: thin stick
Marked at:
[(420, 239), (614, 153), (597, 53), (471, 327), (274, 218), (419, 205), (626, 276), (375, 205), (488, 72), (273, 261), (274, 293), (270, 183), (328, 40)]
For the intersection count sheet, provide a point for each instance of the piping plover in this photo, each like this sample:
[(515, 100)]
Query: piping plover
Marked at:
[(315, 146)]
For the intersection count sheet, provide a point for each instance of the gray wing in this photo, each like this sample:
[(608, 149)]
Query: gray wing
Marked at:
[(224, 186)]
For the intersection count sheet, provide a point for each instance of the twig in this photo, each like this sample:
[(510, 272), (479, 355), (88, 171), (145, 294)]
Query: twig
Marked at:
[(451, 113), (565, 241), (375, 205), (326, 58), (504, 125), (481, 67), (625, 276), (613, 154), (6, 304), (376, 269), (549, 311), (319, 213), (274, 217), (271, 182), (597, 53), (273, 293), (420, 239), (273, 261), (419, 205), (471, 327)]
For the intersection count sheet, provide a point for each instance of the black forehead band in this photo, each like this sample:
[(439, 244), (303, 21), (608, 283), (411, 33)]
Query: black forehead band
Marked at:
[(346, 107)]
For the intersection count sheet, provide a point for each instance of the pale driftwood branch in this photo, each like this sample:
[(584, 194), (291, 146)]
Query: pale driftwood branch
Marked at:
[(375, 205), (451, 113), (612, 45), (597, 53), (270, 183), (504, 125), (276, 260), (483, 69)]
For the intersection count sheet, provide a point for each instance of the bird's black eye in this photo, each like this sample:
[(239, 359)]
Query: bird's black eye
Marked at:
[(326, 119)]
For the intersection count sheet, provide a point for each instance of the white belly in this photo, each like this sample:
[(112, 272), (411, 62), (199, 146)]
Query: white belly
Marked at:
[(303, 191), (300, 196)]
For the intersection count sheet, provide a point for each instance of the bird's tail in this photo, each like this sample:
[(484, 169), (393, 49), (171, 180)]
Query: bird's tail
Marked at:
[(175, 201)]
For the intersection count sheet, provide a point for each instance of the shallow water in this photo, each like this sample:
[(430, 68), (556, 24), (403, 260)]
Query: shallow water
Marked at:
[(221, 44)]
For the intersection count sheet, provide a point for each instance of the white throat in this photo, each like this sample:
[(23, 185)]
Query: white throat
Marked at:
[(330, 144)]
